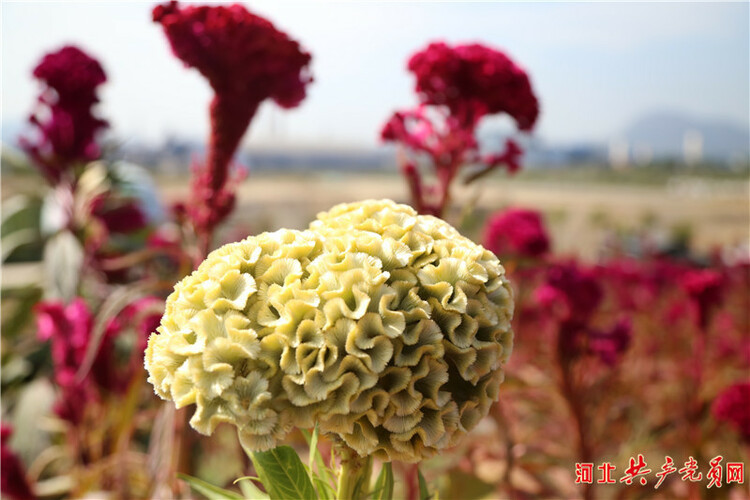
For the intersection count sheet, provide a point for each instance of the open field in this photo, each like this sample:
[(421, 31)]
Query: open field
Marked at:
[(581, 210), (580, 215)]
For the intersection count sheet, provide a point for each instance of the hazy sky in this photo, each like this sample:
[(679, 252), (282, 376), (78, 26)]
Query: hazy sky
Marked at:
[(595, 66)]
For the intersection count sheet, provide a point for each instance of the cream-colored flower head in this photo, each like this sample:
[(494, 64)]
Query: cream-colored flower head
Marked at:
[(387, 328)]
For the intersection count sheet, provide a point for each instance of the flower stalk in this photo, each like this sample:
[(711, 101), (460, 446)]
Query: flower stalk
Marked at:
[(354, 475)]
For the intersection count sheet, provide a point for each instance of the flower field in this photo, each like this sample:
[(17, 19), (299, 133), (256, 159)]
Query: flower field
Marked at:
[(459, 327)]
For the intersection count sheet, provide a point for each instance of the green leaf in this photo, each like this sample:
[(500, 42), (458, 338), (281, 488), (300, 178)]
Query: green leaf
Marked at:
[(63, 263), (384, 484), (423, 493), (209, 490), (32, 408), (114, 304), (249, 490), (55, 486), (467, 486), (283, 474), (313, 443), (323, 477), (16, 240), (18, 309), (325, 490)]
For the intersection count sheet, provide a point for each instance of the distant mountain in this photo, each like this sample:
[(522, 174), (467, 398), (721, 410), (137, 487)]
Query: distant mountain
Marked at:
[(664, 135)]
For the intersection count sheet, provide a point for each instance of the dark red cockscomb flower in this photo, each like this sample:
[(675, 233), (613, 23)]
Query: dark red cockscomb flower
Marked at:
[(457, 86), (246, 60), (609, 345), (705, 287), (474, 80), (576, 287), (14, 484), (66, 129), (733, 406), (119, 216), (632, 282), (72, 74), (517, 231)]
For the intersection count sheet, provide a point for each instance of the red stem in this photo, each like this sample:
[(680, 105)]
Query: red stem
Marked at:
[(411, 477), (585, 454), (230, 118)]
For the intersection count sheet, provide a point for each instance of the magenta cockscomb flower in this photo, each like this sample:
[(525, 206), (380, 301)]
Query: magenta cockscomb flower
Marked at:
[(733, 407), (517, 231), (70, 332), (246, 60), (14, 484), (66, 128), (440, 137), (474, 80), (68, 328)]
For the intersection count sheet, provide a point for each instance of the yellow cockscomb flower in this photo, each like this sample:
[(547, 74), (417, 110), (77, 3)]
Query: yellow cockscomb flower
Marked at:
[(387, 328)]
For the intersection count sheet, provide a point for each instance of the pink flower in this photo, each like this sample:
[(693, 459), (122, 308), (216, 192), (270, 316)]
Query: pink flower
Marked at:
[(432, 132), (68, 328), (474, 80), (733, 406), (246, 60), (516, 231), (66, 129), (13, 481), (70, 331)]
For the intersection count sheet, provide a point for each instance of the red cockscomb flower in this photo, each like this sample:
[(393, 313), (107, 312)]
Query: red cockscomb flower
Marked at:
[(67, 128), (517, 231), (246, 60), (474, 80), (733, 406)]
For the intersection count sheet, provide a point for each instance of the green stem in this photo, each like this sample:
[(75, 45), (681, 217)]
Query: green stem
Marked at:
[(354, 476)]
